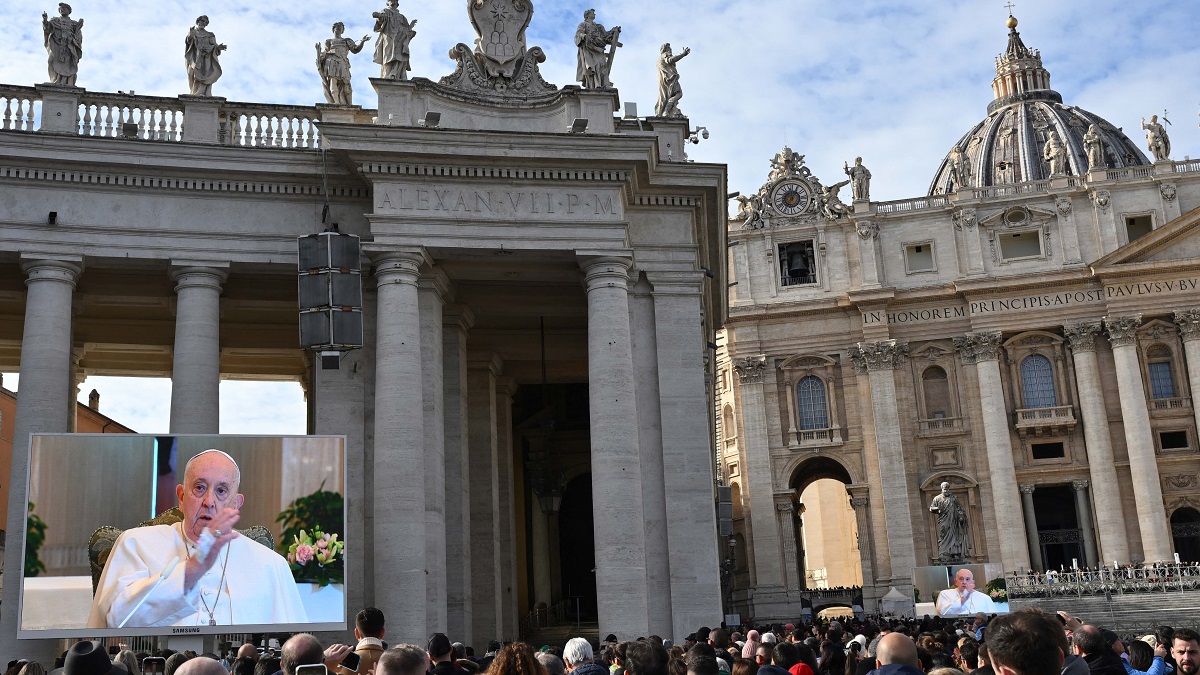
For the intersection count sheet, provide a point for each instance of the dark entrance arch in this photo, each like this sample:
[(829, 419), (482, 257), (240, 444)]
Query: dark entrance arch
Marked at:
[(577, 548), (1185, 530)]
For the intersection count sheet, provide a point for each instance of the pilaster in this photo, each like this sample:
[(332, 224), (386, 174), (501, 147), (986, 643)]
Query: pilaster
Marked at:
[(1029, 517), (196, 360), (759, 485), (457, 321), (1083, 510), (433, 291), (1188, 321)]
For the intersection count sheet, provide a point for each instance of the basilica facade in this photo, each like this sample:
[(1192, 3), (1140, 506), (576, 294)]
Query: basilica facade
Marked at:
[(1028, 332)]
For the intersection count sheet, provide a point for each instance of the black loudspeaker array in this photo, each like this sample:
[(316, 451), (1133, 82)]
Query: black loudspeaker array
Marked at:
[(330, 285)]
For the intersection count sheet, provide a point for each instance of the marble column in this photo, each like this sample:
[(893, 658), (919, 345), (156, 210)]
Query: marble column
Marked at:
[(1083, 510), (399, 466), (1110, 518), (875, 511), (1139, 439), (983, 349), (880, 359), (687, 449), (505, 389), (860, 501), (1188, 321), (785, 511), (621, 589), (540, 556), (457, 321), (1031, 529), (434, 288), (483, 369), (758, 486), (196, 360), (41, 407)]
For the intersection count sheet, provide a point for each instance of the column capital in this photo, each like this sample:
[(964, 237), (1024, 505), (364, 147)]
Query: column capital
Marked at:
[(199, 276), (435, 279), (1188, 321), (58, 269), (981, 346), (485, 361), (1028, 489), (1080, 485), (785, 506), (1082, 335), (882, 355), (750, 369), (506, 386), (605, 271), (676, 282), (458, 316), (1122, 330), (399, 267)]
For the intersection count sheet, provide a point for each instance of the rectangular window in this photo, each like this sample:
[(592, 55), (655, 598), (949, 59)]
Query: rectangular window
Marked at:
[(1048, 450), (1161, 383), (1017, 245), (1137, 227), (798, 263), (1173, 440), (919, 258)]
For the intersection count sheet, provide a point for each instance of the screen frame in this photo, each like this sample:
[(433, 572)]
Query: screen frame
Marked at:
[(166, 631)]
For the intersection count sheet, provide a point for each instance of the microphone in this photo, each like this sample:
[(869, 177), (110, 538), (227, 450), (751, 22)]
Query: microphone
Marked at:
[(161, 578)]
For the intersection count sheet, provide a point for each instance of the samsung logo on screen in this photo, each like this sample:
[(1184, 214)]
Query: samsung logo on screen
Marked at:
[(176, 631)]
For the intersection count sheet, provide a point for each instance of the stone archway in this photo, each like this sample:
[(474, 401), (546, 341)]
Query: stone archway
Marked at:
[(826, 528)]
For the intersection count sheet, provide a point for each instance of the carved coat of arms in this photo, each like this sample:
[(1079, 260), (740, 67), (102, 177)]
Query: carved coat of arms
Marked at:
[(501, 26)]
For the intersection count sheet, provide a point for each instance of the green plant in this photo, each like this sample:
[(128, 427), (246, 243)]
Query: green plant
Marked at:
[(35, 536), (916, 594), (997, 589), (321, 514)]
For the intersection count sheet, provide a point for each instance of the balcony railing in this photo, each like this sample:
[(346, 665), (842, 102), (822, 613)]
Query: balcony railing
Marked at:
[(801, 280), (1179, 403), (814, 438), (1040, 421), (941, 426)]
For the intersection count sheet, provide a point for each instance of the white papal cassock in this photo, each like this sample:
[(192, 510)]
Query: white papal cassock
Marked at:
[(950, 603), (258, 586)]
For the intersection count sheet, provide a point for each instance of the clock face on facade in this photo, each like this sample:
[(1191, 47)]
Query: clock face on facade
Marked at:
[(790, 197)]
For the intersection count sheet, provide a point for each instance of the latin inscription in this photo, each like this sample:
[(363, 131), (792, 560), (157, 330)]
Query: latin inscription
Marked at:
[(879, 316), (525, 203), (1152, 288)]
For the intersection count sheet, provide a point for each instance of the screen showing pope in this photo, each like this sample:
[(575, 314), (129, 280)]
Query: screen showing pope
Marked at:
[(199, 571)]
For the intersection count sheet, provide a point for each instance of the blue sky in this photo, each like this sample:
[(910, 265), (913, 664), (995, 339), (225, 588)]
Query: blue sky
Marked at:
[(895, 82)]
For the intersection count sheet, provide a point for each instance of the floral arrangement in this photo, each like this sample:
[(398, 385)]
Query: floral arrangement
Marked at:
[(998, 589), (316, 557)]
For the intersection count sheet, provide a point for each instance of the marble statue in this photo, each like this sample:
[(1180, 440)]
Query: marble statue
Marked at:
[(831, 204), (1093, 144), (786, 163), (595, 63), (960, 168), (669, 91), (334, 65), (64, 45), (952, 526), (1157, 139), (750, 211), (200, 51), (395, 34), (1055, 154), (860, 180)]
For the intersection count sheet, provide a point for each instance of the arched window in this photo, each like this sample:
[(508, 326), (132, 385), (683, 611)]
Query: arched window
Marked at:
[(736, 496), (1037, 382), (729, 426), (811, 403), (936, 387), (1162, 383)]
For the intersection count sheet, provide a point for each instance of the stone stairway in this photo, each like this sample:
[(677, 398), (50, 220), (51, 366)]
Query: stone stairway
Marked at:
[(557, 636), (1128, 614)]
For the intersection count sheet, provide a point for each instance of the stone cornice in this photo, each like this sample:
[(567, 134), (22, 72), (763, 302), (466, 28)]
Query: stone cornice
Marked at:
[(507, 173), (109, 180)]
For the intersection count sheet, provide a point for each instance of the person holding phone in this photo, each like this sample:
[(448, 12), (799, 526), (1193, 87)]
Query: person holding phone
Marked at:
[(198, 571), (368, 630)]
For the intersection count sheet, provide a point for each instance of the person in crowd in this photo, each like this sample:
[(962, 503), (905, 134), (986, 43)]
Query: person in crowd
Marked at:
[(1144, 659), (202, 666), (807, 664), (744, 667), (402, 660), (701, 663), (853, 651), (1026, 642), (268, 665), (753, 641), (493, 648), (174, 661), (87, 658), (516, 658), (221, 578), (243, 666), (783, 656), (1185, 649), (833, 659), (368, 631), (247, 651), (896, 654), (552, 664), (577, 655), (1092, 644), (441, 654), (645, 658), (35, 668), (984, 661), (303, 649), (130, 660)]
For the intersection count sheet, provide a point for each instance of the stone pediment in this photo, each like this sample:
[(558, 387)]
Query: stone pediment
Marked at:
[(1178, 240), (1017, 217)]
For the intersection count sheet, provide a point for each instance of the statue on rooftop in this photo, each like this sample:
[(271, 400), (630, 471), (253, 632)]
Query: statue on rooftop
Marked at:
[(395, 34), (1055, 154), (1093, 144), (750, 211), (960, 168), (595, 63), (831, 205), (200, 51), (64, 45), (1157, 139), (952, 526), (334, 65), (786, 163), (669, 91), (860, 180)]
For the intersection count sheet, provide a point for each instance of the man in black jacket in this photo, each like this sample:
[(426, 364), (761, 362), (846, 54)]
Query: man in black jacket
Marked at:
[(441, 652), (1090, 643)]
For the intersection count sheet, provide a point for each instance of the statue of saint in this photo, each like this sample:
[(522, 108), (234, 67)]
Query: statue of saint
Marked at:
[(952, 526), (64, 45), (334, 65), (669, 91), (594, 63), (200, 51), (1094, 145), (860, 180), (391, 50), (1055, 154), (1157, 139), (750, 211), (831, 204), (960, 168)]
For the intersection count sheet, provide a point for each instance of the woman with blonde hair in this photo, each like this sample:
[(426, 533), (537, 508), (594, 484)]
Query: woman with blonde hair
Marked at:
[(129, 660), (516, 658)]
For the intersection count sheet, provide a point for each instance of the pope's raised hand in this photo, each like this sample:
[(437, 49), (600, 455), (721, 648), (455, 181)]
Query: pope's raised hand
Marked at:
[(221, 531)]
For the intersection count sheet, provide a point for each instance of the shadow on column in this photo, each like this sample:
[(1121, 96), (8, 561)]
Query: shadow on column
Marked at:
[(577, 547)]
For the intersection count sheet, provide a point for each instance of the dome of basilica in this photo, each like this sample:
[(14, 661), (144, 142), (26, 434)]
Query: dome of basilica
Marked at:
[(1010, 144)]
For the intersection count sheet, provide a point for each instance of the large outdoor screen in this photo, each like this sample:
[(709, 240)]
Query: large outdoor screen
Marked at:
[(158, 535)]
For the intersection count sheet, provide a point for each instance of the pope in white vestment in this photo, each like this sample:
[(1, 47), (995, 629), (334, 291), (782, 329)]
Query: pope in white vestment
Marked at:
[(963, 598), (222, 578)]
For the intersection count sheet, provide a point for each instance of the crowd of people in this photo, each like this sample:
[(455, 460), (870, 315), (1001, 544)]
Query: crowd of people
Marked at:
[(1026, 642)]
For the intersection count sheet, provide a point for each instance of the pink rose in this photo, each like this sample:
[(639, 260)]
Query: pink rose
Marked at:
[(322, 543), (304, 553)]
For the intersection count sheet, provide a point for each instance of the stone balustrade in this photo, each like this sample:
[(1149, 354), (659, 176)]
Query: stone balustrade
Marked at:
[(151, 118), (906, 205), (21, 109), (1105, 581)]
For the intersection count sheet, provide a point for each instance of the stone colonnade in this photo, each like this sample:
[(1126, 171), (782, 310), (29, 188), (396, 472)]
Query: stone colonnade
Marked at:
[(1015, 542)]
